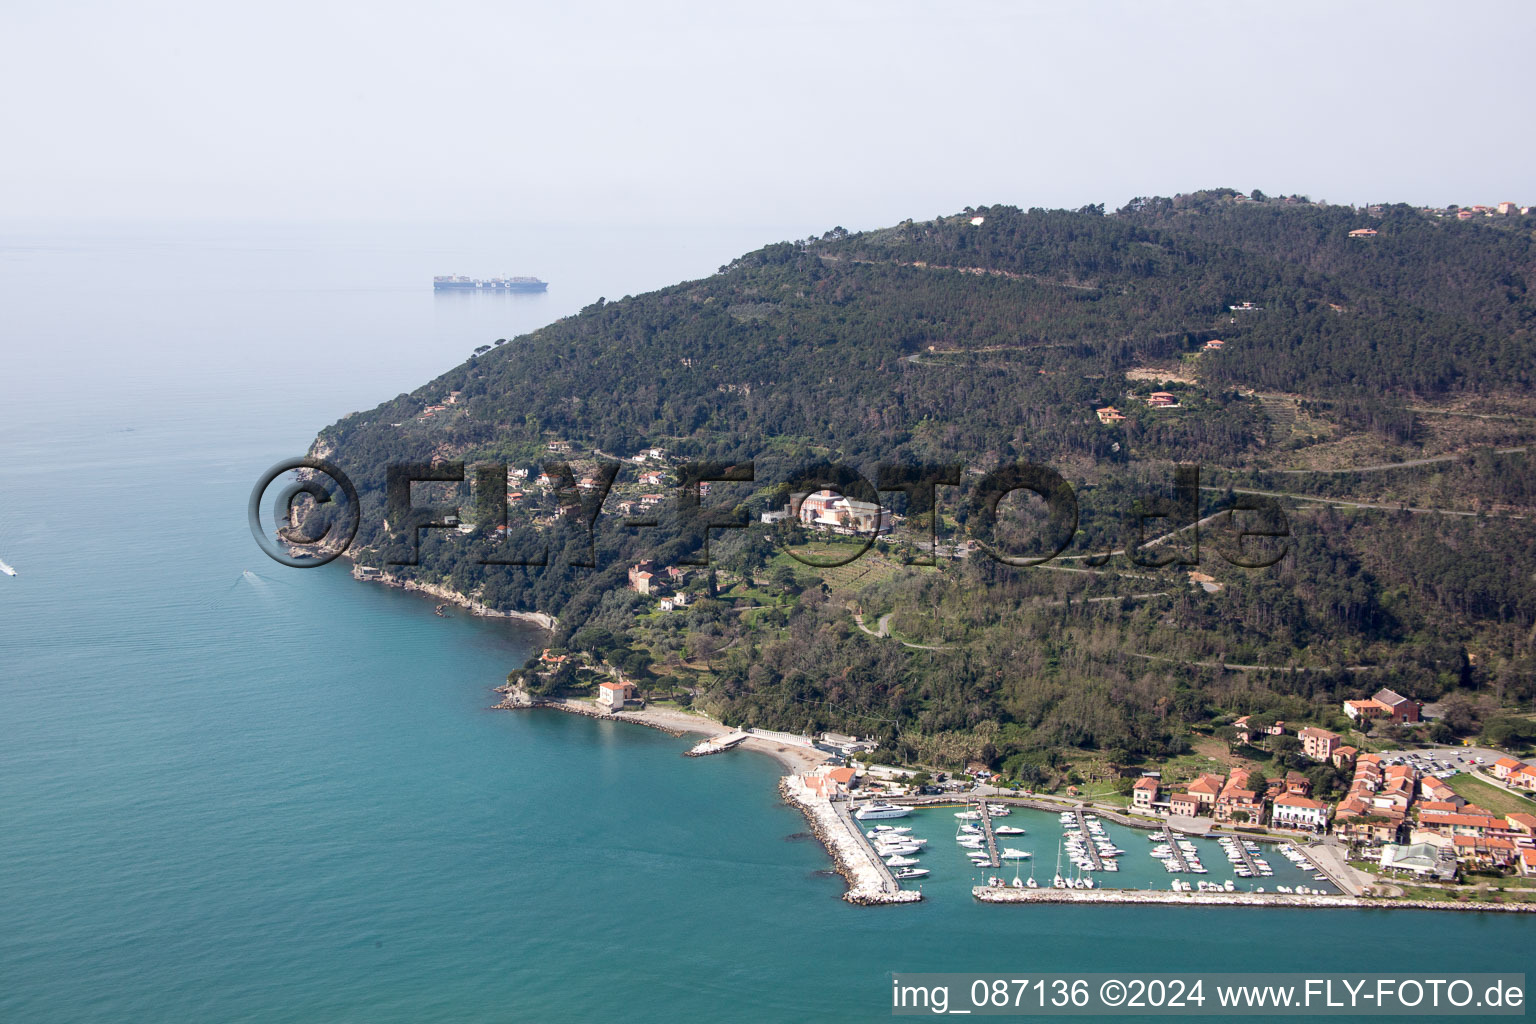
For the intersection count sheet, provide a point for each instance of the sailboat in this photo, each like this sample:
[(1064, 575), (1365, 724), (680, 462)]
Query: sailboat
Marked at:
[(1058, 882)]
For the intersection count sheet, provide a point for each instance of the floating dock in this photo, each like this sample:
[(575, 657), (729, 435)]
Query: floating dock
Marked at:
[(1176, 855), (986, 830), (1247, 855), (717, 744), (1090, 847)]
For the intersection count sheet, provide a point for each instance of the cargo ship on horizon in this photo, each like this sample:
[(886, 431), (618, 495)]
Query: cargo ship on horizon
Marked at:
[(494, 284)]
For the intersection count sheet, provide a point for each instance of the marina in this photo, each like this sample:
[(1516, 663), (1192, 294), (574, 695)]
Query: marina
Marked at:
[(1095, 852)]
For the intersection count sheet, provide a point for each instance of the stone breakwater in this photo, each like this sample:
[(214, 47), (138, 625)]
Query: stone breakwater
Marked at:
[(869, 881), (996, 894)]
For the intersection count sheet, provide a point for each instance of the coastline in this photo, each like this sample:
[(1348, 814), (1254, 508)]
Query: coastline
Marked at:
[(793, 757), (869, 883), (448, 595)]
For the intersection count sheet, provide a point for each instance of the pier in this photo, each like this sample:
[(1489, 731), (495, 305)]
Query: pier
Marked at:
[(1175, 854), (717, 744), (869, 879), (1089, 845), (1247, 855), (986, 830)]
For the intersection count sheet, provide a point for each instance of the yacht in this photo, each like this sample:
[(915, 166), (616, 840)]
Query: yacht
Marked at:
[(881, 810), (889, 829), (1008, 830), (911, 873), (1009, 853), (888, 849), (900, 862)]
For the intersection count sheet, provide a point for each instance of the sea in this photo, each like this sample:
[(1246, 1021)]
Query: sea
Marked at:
[(236, 791)]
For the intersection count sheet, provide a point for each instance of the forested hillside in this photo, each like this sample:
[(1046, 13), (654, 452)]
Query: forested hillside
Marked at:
[(1283, 349)]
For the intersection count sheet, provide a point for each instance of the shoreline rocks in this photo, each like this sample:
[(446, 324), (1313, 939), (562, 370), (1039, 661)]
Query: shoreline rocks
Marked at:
[(869, 882)]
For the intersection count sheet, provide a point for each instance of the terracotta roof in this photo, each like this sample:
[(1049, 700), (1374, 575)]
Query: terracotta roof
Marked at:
[(1293, 800)]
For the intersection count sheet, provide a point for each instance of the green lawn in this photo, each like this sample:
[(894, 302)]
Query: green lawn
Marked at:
[(1492, 797)]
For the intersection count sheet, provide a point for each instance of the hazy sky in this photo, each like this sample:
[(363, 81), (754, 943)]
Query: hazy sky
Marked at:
[(824, 112)]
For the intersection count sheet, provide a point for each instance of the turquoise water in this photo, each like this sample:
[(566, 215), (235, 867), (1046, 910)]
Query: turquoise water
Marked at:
[(280, 797)]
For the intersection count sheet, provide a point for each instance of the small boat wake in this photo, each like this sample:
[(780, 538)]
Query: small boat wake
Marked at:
[(5, 568)]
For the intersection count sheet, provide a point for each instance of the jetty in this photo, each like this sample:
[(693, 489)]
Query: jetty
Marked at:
[(1008, 894), (869, 880), (717, 744), (986, 830), (1089, 846)]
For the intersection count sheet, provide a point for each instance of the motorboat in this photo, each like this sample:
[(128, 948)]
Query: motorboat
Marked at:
[(900, 862), (1008, 830), (906, 873), (1009, 853), (897, 849)]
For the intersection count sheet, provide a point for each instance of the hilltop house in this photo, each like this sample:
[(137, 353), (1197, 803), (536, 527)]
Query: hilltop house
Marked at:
[(641, 577), (843, 515), (1109, 414)]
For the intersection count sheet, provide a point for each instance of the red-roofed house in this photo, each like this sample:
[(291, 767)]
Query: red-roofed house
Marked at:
[(1528, 863), (1236, 802), (1184, 803), (1522, 823), (1364, 710), (1319, 744), (1343, 756), (1144, 794), (1299, 812), (1523, 778), (1504, 767), (612, 695), (1205, 790)]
